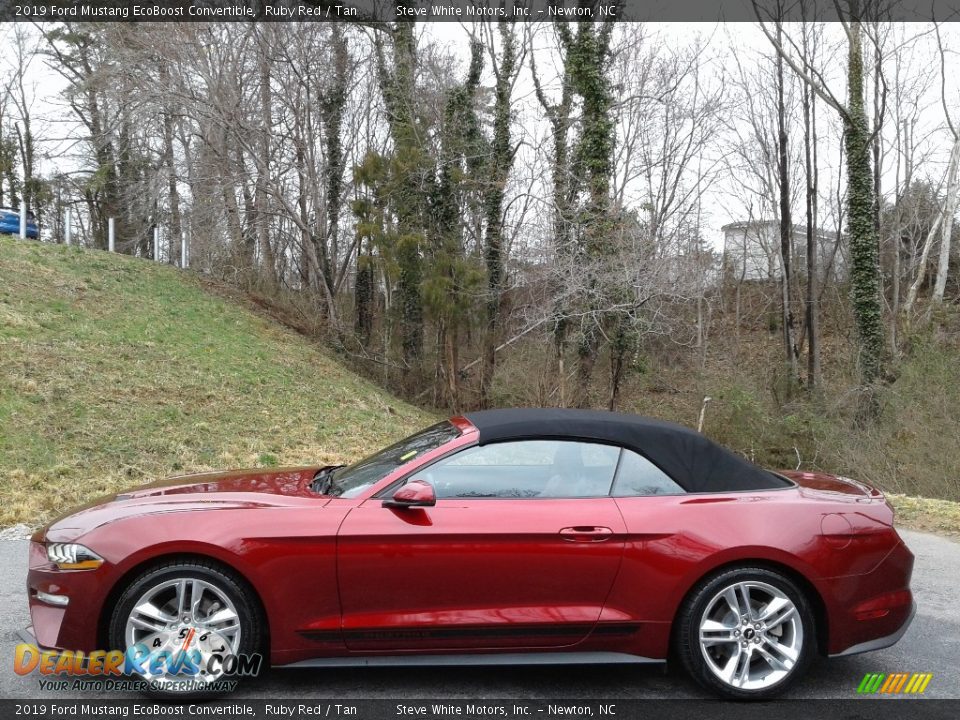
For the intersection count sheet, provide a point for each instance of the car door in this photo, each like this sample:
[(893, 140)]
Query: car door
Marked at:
[(520, 550)]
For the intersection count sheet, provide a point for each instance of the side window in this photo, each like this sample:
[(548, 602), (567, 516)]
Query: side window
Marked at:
[(525, 469), (638, 477)]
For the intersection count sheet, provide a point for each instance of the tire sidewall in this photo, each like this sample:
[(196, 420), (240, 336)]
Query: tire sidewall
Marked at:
[(226, 583), (691, 653)]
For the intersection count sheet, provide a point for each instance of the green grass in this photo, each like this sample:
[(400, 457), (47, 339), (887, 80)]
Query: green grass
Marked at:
[(116, 371), (937, 516)]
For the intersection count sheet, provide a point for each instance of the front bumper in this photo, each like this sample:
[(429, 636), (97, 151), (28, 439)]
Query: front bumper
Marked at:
[(26, 636), (73, 626)]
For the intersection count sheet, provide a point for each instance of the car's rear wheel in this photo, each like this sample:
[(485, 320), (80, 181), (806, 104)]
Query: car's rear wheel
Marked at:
[(746, 633), (184, 620)]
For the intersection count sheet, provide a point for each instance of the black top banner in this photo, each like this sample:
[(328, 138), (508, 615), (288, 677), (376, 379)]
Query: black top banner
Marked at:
[(376, 11)]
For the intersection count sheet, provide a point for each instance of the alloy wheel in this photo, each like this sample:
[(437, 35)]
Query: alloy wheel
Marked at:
[(183, 618), (751, 635)]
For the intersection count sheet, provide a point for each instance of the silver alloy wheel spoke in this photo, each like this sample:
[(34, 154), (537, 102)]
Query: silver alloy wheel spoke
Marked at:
[(743, 667), (733, 600), (743, 592), (181, 596), (774, 655), (149, 617), (729, 670), (713, 633), (163, 617), (777, 612), (221, 616), (751, 635)]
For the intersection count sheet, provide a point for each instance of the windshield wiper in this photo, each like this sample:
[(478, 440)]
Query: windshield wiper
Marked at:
[(323, 480)]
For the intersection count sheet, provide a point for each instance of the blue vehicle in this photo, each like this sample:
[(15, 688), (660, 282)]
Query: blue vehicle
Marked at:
[(10, 223)]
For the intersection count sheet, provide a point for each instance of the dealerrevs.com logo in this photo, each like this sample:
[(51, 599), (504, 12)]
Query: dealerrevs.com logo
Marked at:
[(136, 668), (894, 683)]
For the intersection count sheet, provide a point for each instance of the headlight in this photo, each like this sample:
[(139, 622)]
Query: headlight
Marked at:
[(71, 556)]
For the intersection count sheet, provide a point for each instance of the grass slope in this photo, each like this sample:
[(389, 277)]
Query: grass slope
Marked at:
[(116, 371)]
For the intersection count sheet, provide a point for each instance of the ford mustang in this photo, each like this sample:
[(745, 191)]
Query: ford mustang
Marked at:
[(504, 536)]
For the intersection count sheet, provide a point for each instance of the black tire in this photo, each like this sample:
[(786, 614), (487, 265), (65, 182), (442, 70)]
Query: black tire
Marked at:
[(692, 654), (225, 581)]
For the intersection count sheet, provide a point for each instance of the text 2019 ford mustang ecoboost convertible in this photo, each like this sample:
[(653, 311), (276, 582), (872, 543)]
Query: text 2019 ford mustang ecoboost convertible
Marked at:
[(505, 536)]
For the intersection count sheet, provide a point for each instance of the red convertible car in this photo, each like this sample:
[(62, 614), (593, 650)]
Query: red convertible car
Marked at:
[(505, 536)]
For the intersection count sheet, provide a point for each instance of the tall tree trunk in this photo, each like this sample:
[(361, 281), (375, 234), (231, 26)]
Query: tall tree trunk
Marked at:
[(921, 265), (173, 195), (363, 291), (169, 161), (863, 238), (452, 369), (618, 353), (252, 224), (810, 162), (786, 231), (589, 67), (878, 110), (306, 242), (332, 111), (398, 86), (263, 170), (501, 158), (949, 210), (895, 233)]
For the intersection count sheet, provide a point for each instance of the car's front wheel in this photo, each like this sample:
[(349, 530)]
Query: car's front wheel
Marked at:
[(746, 633), (184, 625)]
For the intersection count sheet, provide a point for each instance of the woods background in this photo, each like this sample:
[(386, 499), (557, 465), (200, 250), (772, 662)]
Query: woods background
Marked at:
[(499, 214)]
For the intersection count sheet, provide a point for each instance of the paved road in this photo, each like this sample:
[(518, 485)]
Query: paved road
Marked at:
[(932, 644)]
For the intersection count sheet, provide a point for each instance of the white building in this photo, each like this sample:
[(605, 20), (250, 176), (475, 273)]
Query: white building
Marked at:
[(751, 251)]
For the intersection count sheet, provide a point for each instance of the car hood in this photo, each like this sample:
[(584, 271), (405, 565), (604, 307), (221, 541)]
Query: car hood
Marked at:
[(236, 489)]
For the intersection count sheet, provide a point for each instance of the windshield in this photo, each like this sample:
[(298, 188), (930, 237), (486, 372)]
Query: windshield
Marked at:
[(352, 480)]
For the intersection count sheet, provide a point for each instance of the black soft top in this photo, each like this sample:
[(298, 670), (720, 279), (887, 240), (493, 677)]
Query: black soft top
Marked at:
[(695, 462)]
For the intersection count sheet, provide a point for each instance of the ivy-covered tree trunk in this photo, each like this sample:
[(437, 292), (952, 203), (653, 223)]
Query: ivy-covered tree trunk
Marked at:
[(864, 273), (368, 208), (332, 110), (588, 61), (560, 119), (410, 174), (501, 158), (364, 295)]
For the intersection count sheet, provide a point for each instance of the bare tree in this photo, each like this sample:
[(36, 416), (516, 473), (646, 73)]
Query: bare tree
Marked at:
[(953, 180), (865, 290)]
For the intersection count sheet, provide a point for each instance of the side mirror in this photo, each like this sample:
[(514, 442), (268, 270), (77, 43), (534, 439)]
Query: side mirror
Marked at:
[(413, 493)]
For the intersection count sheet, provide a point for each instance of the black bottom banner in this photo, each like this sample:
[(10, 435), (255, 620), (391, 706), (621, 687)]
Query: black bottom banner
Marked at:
[(483, 709)]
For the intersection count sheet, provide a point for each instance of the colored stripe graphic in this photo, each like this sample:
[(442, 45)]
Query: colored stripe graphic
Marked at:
[(894, 683)]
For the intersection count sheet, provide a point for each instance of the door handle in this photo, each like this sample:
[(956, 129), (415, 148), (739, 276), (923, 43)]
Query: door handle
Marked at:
[(586, 533)]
